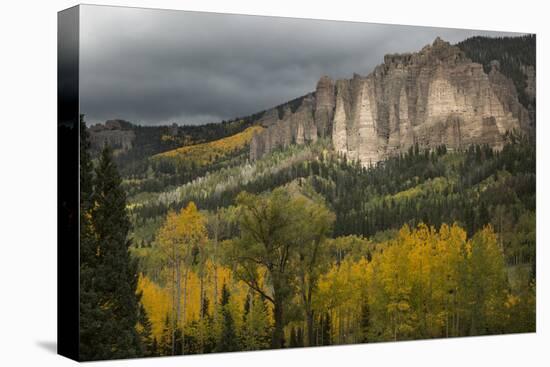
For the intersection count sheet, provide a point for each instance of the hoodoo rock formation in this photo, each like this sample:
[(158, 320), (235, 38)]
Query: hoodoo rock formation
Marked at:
[(431, 97)]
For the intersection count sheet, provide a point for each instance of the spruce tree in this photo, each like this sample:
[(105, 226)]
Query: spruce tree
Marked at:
[(326, 323), (145, 332), (256, 328), (90, 312), (228, 336), (165, 342), (208, 339), (365, 320), (115, 274)]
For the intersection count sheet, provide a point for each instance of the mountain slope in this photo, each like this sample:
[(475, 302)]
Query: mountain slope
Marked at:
[(206, 153)]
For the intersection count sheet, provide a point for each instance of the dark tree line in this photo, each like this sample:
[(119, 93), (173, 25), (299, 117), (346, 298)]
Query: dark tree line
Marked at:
[(171, 172), (110, 309)]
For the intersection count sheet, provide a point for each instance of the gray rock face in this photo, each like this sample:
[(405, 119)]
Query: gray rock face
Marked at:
[(324, 106), (309, 121), (530, 89), (531, 92), (431, 97), (286, 128), (115, 133)]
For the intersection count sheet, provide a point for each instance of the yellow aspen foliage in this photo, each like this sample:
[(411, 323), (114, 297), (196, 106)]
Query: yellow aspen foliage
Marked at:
[(340, 293), (431, 283), (206, 153), (157, 302), (181, 241), (423, 283)]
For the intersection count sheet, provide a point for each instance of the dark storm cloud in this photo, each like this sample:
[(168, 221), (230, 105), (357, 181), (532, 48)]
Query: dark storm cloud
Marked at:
[(156, 67)]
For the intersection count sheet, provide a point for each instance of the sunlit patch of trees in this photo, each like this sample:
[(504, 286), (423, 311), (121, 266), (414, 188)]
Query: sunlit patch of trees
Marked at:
[(206, 153), (284, 283)]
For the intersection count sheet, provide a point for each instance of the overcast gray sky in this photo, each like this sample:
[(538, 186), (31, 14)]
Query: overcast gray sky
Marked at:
[(156, 67)]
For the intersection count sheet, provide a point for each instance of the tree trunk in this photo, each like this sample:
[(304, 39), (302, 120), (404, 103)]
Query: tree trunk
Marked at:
[(277, 341), (174, 310), (202, 311), (202, 295), (177, 306), (458, 324), (184, 309), (340, 324), (178, 295), (215, 266), (310, 322)]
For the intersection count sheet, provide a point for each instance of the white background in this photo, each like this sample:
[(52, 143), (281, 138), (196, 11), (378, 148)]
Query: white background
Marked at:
[(28, 183)]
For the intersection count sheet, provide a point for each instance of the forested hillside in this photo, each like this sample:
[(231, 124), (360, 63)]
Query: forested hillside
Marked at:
[(216, 252), (480, 200), (471, 187), (191, 156), (397, 251)]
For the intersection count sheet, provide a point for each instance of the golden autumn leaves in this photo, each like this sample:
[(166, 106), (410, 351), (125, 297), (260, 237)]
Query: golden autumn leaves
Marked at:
[(422, 283), (206, 153)]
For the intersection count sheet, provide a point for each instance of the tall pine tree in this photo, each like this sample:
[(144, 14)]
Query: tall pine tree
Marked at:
[(228, 338), (145, 332), (90, 312), (114, 271)]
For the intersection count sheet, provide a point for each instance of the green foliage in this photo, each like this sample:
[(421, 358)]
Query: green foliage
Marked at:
[(473, 187), (325, 326), (116, 273), (512, 53), (228, 341), (430, 284), (165, 343), (89, 296), (219, 188), (434, 187), (256, 330), (276, 231), (148, 343), (86, 170), (109, 303), (365, 321), (151, 140)]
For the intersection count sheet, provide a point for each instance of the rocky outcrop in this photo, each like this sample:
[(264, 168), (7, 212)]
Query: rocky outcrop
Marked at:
[(300, 121), (530, 93), (431, 97), (116, 133), (324, 106), (285, 127)]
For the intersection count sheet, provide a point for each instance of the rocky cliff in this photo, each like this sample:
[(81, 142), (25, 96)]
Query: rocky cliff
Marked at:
[(116, 133), (431, 97)]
